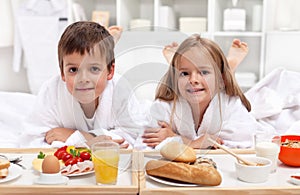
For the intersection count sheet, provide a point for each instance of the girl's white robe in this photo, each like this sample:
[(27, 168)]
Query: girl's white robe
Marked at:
[(229, 120), (117, 114)]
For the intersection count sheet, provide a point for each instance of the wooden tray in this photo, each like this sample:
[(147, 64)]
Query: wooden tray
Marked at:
[(277, 183), (127, 179)]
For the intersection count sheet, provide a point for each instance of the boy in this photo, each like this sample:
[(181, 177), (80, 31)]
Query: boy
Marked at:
[(86, 100)]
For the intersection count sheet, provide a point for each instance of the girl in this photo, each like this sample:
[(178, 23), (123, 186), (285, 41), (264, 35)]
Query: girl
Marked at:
[(198, 98)]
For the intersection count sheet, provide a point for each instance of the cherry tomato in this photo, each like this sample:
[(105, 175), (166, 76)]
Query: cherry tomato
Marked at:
[(78, 159), (71, 161), (66, 157), (60, 154), (59, 150), (85, 155)]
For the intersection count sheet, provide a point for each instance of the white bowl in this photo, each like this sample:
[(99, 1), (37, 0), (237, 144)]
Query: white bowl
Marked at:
[(254, 174)]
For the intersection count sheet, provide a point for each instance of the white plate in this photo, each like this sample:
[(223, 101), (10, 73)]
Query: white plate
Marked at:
[(294, 180), (14, 171), (62, 181), (79, 174), (172, 182)]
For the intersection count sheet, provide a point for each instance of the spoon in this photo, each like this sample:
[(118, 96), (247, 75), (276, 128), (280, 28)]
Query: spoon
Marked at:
[(246, 162)]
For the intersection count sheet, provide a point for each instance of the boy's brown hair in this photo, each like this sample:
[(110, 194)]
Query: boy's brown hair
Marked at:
[(81, 37)]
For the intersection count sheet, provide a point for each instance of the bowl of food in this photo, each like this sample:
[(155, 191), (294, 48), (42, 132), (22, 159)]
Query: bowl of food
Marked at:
[(290, 150), (254, 174)]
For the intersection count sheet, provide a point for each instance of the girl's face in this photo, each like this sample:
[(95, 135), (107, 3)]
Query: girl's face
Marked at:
[(86, 75), (196, 80)]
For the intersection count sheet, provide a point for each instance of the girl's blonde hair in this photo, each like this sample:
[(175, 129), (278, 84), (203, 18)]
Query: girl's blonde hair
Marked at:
[(168, 89)]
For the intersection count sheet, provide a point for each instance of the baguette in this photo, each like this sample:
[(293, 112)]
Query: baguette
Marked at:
[(198, 174), (178, 152)]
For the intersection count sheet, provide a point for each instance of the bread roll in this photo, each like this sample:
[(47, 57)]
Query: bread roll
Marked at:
[(198, 174), (3, 173), (178, 152), (4, 164)]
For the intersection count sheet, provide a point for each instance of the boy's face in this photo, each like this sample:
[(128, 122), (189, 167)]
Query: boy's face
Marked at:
[(86, 75), (196, 80)]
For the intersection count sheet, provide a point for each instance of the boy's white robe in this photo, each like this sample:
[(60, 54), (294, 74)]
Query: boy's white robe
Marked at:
[(117, 114), (234, 124)]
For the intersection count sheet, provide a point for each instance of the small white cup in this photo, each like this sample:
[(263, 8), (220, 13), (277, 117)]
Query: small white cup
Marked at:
[(268, 146)]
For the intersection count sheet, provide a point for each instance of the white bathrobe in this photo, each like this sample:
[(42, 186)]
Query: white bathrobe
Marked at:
[(233, 123), (117, 114)]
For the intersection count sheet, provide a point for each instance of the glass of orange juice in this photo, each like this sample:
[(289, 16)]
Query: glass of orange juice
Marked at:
[(105, 156)]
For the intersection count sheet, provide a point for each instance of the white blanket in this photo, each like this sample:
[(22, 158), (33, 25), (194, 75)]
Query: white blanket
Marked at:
[(14, 108), (116, 114), (275, 101)]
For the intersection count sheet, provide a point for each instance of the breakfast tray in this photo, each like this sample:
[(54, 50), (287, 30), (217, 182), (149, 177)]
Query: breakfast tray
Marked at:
[(278, 182), (85, 184)]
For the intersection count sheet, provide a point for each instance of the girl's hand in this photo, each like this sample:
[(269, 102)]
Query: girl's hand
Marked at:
[(58, 134), (154, 136), (202, 143)]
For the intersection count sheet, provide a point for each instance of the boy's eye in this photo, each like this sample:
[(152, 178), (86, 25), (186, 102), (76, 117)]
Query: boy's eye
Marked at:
[(182, 74), (95, 69), (73, 69)]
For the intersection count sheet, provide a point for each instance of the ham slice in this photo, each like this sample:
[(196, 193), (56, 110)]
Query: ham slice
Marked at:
[(80, 167)]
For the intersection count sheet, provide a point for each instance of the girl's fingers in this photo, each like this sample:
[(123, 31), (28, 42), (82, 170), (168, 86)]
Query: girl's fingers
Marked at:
[(151, 130)]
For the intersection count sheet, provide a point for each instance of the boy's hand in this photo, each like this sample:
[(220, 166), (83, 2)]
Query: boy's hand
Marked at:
[(58, 134), (107, 138), (121, 143), (154, 136)]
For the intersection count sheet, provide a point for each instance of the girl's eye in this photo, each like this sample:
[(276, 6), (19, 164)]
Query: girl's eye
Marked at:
[(95, 69), (204, 72), (73, 70), (182, 74)]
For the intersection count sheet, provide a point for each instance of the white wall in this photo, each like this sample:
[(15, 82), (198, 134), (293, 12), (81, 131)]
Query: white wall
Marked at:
[(10, 80)]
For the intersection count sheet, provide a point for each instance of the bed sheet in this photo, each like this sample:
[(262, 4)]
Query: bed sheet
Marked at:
[(14, 107)]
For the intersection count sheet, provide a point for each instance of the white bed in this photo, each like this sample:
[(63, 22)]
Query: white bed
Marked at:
[(14, 108)]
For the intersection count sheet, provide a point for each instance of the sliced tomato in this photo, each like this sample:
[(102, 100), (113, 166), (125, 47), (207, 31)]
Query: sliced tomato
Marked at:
[(85, 156)]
